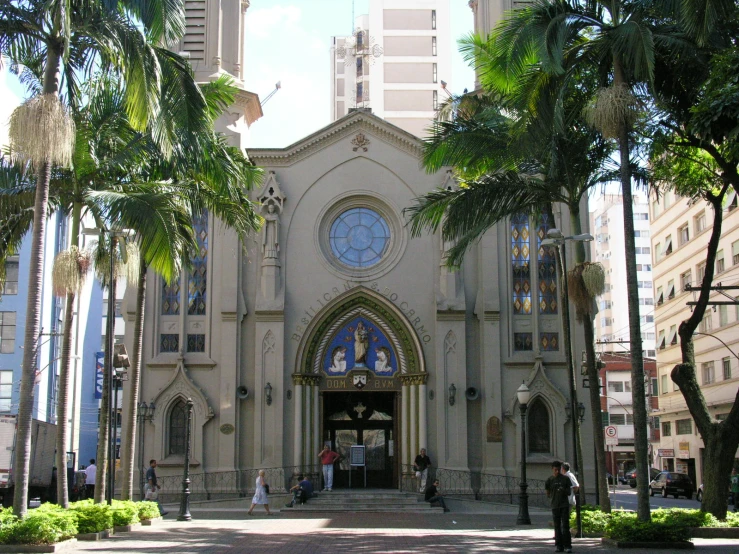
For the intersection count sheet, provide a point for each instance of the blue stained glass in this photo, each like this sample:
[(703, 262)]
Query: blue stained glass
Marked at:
[(197, 286), (359, 237)]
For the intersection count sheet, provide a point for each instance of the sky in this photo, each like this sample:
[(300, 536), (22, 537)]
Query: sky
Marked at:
[(289, 41)]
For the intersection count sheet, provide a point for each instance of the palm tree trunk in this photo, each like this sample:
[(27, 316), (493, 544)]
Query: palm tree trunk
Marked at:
[(135, 380), (21, 465), (641, 443), (62, 431), (592, 368), (104, 425)]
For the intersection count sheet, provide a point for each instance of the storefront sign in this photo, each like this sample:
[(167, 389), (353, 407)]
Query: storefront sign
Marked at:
[(684, 450), (666, 452), (99, 364)]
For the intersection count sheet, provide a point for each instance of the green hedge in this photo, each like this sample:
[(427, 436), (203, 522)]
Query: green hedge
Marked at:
[(92, 518), (666, 525), (47, 524), (125, 512), (147, 510)]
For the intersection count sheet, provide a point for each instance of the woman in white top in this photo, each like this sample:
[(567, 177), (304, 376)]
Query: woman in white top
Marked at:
[(260, 497)]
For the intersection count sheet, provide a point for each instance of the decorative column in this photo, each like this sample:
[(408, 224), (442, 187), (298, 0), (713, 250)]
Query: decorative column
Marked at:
[(315, 429), (298, 442), (404, 443), (422, 431), (414, 413), (413, 420)]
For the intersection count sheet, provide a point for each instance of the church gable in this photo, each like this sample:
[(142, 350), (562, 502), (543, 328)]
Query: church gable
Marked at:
[(361, 129)]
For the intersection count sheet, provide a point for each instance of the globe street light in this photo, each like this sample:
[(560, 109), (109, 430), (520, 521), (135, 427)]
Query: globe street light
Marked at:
[(524, 394), (556, 238)]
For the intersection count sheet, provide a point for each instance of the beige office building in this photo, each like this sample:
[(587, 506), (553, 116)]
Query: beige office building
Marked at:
[(680, 232), (394, 63)]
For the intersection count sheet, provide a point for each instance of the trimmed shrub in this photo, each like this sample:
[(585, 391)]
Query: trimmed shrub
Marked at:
[(624, 526), (732, 519), (92, 518), (593, 521), (125, 512), (147, 510), (41, 526), (684, 516)]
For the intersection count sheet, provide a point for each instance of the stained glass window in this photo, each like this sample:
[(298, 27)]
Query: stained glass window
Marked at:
[(197, 285), (169, 342), (177, 423), (171, 297), (523, 341), (547, 269), (521, 262), (359, 237), (538, 423), (196, 343), (549, 342)]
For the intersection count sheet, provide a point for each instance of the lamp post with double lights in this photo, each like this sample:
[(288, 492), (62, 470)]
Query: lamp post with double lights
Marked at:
[(524, 394), (144, 414), (556, 238), (184, 514)]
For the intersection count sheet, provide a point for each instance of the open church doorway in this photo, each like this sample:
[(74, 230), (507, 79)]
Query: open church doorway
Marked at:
[(366, 418)]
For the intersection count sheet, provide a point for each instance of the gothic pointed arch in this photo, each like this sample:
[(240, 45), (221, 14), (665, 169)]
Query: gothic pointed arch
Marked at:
[(179, 388), (367, 303)]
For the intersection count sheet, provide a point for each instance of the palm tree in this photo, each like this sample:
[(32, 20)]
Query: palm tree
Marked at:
[(66, 38), (615, 40), (525, 166)]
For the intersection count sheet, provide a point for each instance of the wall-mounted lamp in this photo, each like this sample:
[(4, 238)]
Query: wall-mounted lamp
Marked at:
[(585, 383), (268, 394), (581, 411), (452, 394)]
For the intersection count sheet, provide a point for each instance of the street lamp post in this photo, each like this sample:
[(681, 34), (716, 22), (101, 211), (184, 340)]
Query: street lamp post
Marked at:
[(184, 514), (523, 393), (556, 238), (145, 414)]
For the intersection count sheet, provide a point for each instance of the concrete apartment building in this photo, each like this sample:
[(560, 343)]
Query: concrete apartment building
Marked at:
[(617, 405), (608, 248), (394, 63), (680, 232)]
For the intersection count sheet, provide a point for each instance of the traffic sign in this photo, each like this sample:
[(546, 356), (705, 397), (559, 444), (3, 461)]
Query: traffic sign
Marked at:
[(611, 441), (611, 432)]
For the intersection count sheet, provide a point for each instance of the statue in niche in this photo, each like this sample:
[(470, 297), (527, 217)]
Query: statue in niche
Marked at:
[(338, 360), (271, 233), (494, 430), (361, 345), (382, 365)]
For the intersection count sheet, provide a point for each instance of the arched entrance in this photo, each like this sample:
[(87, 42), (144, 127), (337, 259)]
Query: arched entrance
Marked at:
[(361, 379)]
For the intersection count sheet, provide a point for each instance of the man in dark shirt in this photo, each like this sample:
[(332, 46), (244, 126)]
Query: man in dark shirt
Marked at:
[(151, 481), (301, 492), (558, 491), (432, 495), (421, 466)]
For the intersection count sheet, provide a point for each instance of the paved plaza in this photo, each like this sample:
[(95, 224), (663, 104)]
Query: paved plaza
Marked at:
[(294, 533)]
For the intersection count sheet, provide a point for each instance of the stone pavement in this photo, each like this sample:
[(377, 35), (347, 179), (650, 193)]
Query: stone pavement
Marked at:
[(215, 532)]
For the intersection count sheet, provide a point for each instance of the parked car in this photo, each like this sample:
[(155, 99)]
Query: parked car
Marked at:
[(628, 476), (671, 483), (653, 472)]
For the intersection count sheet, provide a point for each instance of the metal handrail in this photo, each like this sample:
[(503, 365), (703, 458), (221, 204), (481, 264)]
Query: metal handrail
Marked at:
[(474, 485)]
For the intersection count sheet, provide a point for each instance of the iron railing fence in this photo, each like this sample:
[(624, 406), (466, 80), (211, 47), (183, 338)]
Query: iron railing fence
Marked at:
[(477, 485), (233, 484)]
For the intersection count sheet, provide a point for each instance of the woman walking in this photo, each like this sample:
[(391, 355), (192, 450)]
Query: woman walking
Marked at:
[(260, 497)]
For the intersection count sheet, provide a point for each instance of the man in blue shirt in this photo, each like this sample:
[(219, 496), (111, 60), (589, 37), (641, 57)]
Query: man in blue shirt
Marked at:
[(301, 492), (151, 482)]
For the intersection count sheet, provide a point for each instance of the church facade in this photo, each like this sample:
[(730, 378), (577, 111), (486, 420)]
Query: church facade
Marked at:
[(335, 326)]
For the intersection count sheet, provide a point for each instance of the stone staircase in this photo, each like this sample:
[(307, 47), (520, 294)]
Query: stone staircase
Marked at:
[(365, 500)]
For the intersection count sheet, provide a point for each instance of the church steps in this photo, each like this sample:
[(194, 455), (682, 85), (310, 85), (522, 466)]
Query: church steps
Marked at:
[(372, 501)]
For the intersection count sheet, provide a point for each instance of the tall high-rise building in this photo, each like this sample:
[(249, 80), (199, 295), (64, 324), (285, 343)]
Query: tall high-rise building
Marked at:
[(394, 63), (608, 248), (680, 232)]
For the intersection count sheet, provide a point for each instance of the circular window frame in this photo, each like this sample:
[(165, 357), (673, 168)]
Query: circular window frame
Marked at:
[(360, 199)]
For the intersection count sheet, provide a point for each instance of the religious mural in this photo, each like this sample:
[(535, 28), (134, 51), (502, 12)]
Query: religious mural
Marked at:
[(360, 345)]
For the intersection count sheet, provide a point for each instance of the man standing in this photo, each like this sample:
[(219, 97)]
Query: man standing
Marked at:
[(735, 488), (90, 474), (328, 457), (558, 488), (421, 466), (574, 485), (151, 481), (432, 495)]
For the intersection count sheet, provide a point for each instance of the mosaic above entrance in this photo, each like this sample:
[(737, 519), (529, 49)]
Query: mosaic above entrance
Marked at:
[(360, 344)]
